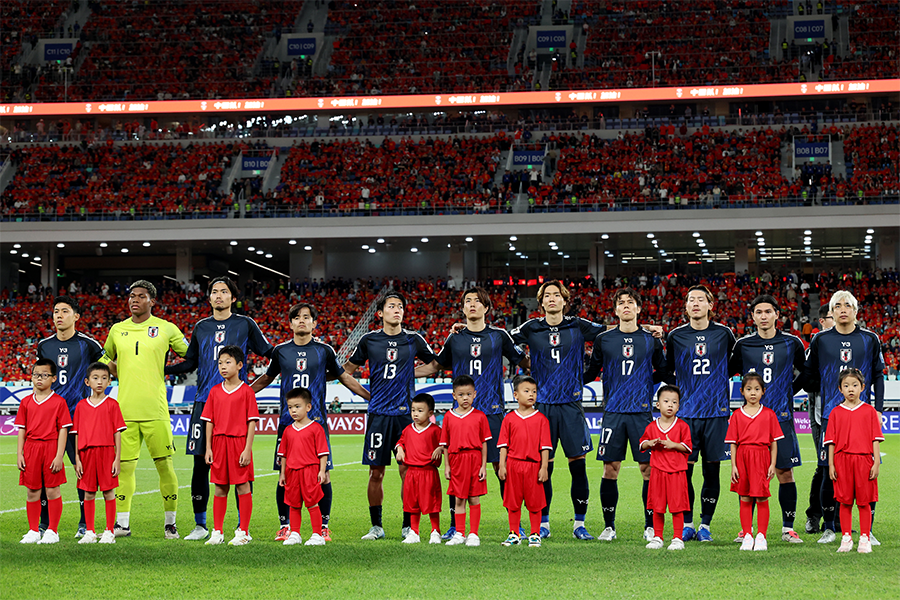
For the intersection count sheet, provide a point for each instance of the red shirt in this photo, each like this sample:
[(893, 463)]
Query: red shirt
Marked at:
[(465, 432), (664, 459), (229, 412), (303, 446), (419, 444), (525, 436), (97, 425), (852, 430), (759, 430), (43, 420)]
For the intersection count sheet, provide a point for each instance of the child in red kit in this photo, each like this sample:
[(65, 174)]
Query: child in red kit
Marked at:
[(669, 440), (465, 436), (419, 449)]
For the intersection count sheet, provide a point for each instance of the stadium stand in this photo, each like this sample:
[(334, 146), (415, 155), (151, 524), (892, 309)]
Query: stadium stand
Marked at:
[(24, 21)]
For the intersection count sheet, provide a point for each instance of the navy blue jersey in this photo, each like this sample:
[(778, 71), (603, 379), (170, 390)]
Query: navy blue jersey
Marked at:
[(72, 358), (208, 338), (830, 352), (392, 368), (557, 356), (776, 361), (308, 366), (698, 360), (479, 354), (628, 362)]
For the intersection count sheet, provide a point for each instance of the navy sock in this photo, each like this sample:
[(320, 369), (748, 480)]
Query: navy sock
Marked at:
[(872, 506), (200, 489), (609, 498), (581, 490), (45, 515), (548, 491), (829, 514), (502, 487), (325, 504), (82, 521), (709, 493), (284, 511), (375, 515), (452, 502), (648, 514), (787, 498), (407, 519), (815, 496), (689, 514)]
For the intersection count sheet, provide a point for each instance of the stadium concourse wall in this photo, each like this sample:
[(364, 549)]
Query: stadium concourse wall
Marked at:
[(353, 418)]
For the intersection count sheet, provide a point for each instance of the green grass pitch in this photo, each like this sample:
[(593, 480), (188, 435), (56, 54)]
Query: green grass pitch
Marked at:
[(147, 566)]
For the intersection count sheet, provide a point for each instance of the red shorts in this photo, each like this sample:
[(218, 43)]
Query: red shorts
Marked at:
[(853, 481), (464, 482), (301, 486), (96, 464), (225, 469), (522, 485), (422, 490), (668, 489), (38, 456), (752, 464)]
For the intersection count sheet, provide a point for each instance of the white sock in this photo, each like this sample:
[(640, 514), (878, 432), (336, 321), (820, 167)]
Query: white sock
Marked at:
[(578, 524), (702, 526), (123, 518), (170, 517), (689, 524), (786, 529)]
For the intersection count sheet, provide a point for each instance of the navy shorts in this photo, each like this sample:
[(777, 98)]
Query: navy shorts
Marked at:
[(708, 437), (788, 449), (196, 442), (617, 430), (382, 434), (568, 427), (282, 426), (494, 423)]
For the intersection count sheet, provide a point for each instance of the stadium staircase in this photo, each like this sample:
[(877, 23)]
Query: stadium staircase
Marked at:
[(272, 177), (231, 173), (362, 326), (7, 172)]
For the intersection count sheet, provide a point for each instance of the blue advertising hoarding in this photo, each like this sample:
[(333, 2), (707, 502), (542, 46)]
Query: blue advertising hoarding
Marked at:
[(551, 39), (812, 28), (301, 46), (528, 157), (57, 51)]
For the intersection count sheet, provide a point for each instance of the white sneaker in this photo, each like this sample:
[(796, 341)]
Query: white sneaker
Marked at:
[(676, 544), (747, 542), (655, 544), (740, 538), (411, 538), (827, 537), (435, 537), (315, 539), (456, 540), (846, 544), (473, 540), (32, 537), (607, 535), (89, 537), (791, 537), (215, 538), (199, 533), (375, 533), (49, 537), (241, 538), (865, 545), (293, 539), (649, 534), (872, 539), (760, 545), (405, 531), (108, 537)]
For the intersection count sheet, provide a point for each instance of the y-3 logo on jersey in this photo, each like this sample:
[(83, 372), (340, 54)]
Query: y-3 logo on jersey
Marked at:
[(475, 350), (554, 339), (768, 358), (392, 354), (152, 332), (846, 354), (301, 364), (219, 337), (628, 350), (700, 349)]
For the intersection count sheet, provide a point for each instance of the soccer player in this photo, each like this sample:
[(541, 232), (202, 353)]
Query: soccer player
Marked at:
[(631, 360), (830, 352), (307, 363), (391, 353), (697, 356), (814, 510), (556, 342), (478, 351), (208, 337), (72, 352), (778, 358), (139, 346)]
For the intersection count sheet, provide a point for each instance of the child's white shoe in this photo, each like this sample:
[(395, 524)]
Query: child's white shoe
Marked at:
[(747, 543), (411, 538), (473, 540), (49, 537), (676, 544), (215, 538), (241, 538), (655, 544), (89, 537), (293, 539), (846, 544), (108, 537), (457, 539), (760, 545), (315, 539), (865, 545), (32, 537), (435, 537)]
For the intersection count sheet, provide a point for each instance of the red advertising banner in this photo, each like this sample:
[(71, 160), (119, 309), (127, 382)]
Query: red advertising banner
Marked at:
[(337, 424)]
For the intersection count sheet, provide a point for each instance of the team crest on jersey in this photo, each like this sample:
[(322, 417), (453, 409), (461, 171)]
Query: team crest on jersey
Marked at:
[(554, 338), (768, 358), (371, 455), (152, 332), (628, 350), (301, 364), (475, 350), (700, 348), (219, 337), (391, 354), (62, 360), (846, 354)]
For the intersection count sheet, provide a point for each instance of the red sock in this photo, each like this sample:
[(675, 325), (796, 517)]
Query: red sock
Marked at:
[(659, 523), (746, 517), (847, 518), (435, 521), (762, 518), (515, 517), (220, 505), (474, 518), (33, 510), (90, 511), (461, 522), (865, 519), (245, 506), (414, 520), (677, 525), (54, 509), (535, 519), (296, 519), (110, 514), (315, 518)]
